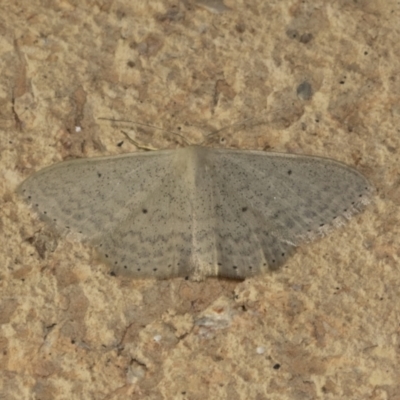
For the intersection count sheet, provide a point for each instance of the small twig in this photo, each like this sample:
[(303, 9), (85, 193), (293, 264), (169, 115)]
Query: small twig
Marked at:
[(147, 126), (139, 146)]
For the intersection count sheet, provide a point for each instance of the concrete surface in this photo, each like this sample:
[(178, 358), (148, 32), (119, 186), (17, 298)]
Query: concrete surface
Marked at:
[(327, 325)]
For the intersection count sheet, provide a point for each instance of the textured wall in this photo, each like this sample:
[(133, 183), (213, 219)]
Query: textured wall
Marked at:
[(327, 324)]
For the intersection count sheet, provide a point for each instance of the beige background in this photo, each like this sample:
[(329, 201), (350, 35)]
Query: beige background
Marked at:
[(327, 325)]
